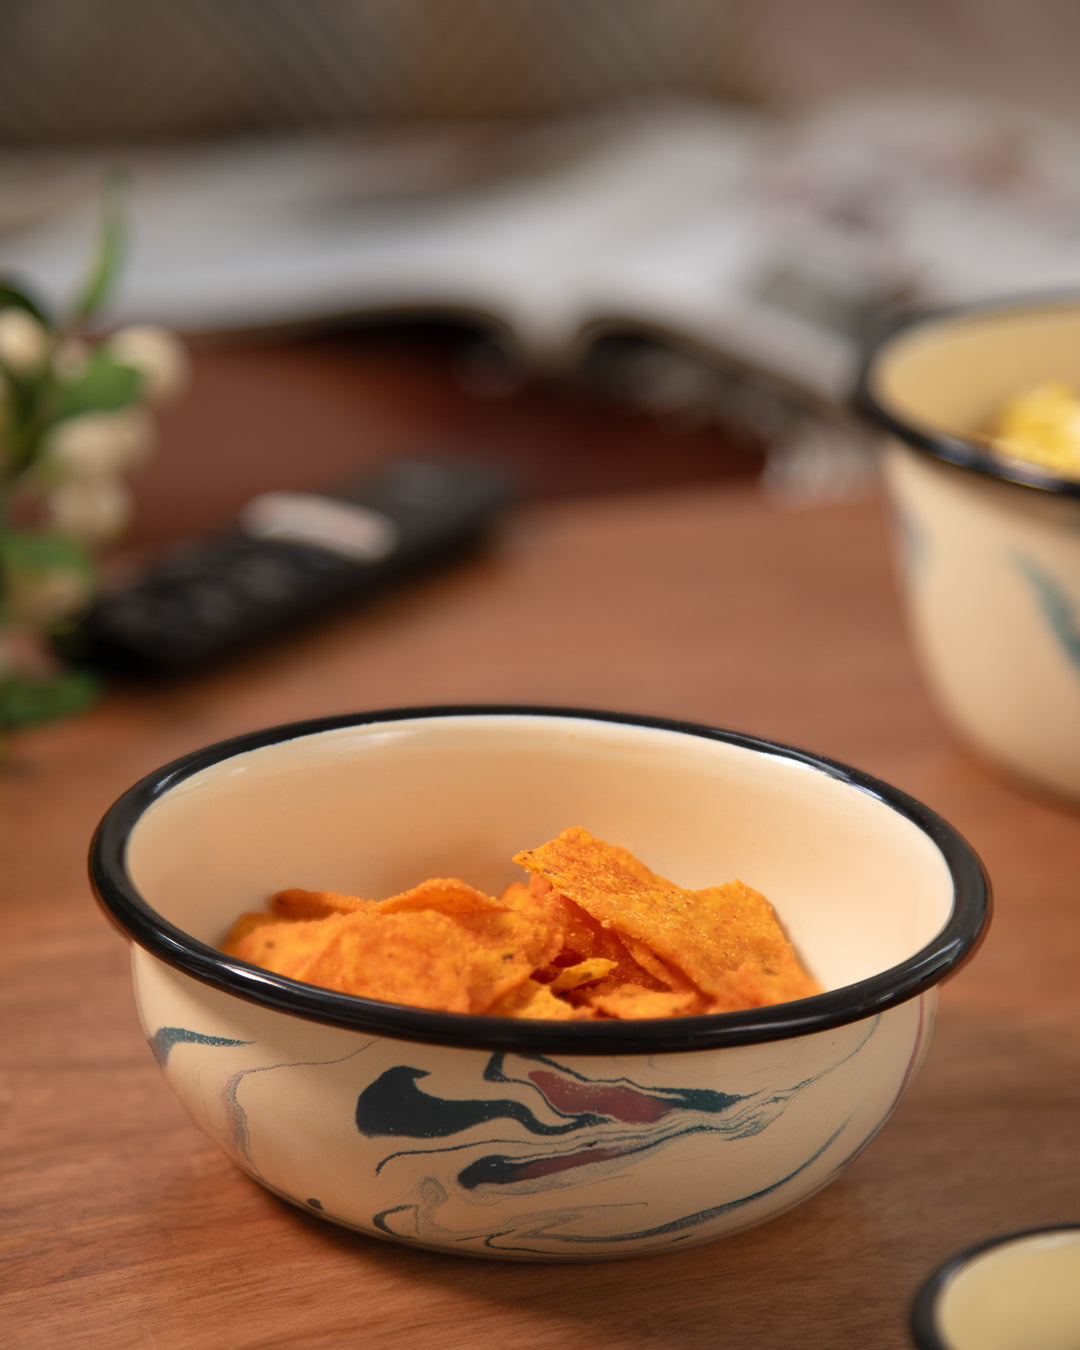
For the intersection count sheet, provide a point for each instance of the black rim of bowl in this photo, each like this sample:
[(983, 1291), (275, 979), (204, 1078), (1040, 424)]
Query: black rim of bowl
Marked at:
[(924, 1328), (122, 902), (940, 445)]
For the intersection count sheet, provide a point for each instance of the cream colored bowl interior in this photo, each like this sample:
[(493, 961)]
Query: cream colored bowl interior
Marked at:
[(374, 808), (1021, 1295), (953, 375)]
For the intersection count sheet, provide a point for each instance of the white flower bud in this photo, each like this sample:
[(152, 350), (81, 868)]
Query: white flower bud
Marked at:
[(94, 510), (100, 442), (24, 341), (158, 355)]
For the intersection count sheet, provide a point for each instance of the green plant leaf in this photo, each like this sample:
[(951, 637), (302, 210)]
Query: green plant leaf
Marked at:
[(109, 250), (103, 386), (24, 699), (38, 551), (22, 386), (14, 297), (25, 396)]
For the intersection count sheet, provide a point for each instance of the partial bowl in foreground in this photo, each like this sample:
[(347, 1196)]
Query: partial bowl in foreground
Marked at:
[(524, 1139), (1019, 1291)]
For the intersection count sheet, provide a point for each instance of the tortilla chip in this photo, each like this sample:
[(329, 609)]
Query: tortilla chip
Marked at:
[(585, 939), (626, 1001), (284, 946), (594, 934), (694, 932), (240, 932), (300, 904), (590, 970), (447, 895), (762, 965), (432, 960), (515, 895), (535, 1001), (663, 975), (509, 946), (421, 959)]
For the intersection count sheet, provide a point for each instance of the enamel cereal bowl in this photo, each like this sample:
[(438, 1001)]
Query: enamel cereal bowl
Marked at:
[(517, 1139), (988, 547)]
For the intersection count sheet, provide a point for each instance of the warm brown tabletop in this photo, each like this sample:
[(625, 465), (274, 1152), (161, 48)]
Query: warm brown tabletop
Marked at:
[(124, 1227)]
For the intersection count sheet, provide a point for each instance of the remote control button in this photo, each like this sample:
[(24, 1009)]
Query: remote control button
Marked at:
[(209, 604), (416, 484), (130, 613), (346, 528), (266, 577)]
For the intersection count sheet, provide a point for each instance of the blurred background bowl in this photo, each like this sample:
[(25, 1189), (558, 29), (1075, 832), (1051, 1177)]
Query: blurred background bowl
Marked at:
[(530, 1139), (988, 546), (1019, 1291)]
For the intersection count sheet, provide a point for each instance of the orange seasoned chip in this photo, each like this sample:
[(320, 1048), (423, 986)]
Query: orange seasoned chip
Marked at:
[(457, 962), (586, 939), (692, 931), (515, 895), (511, 946), (665, 975), (417, 958), (590, 970), (282, 945), (595, 934), (239, 933), (630, 1000), (764, 967), (447, 895), (300, 904), (535, 1001)]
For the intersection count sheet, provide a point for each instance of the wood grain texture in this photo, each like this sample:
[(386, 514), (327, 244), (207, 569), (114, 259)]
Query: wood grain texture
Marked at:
[(124, 1227)]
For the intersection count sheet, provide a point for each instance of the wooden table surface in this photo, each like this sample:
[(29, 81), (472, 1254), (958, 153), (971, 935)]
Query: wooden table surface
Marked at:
[(700, 599)]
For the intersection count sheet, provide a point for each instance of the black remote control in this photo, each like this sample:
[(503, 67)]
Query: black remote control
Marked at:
[(291, 555)]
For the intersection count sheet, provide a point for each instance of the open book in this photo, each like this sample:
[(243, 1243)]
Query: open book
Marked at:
[(765, 246)]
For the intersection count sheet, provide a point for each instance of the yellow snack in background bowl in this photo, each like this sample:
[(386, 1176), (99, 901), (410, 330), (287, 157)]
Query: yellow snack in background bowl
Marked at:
[(1042, 424)]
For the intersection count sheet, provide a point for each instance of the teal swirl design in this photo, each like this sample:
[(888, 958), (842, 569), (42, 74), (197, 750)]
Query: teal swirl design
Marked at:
[(165, 1038), (1058, 608), (608, 1125), (523, 1156)]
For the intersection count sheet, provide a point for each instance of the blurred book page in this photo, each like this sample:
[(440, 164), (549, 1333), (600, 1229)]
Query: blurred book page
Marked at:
[(766, 244)]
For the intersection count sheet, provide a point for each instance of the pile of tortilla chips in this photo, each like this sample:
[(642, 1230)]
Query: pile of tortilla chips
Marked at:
[(594, 934)]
